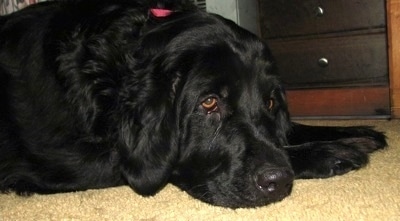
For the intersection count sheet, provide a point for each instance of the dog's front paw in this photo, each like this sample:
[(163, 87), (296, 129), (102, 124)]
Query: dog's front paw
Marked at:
[(337, 161), (326, 159)]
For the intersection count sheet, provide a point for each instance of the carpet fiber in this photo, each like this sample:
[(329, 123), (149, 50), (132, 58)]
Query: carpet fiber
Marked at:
[(372, 193)]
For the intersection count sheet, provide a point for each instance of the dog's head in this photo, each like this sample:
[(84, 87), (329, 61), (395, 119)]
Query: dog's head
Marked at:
[(214, 117)]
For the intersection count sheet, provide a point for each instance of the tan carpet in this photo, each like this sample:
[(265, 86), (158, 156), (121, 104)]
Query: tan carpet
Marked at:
[(372, 193)]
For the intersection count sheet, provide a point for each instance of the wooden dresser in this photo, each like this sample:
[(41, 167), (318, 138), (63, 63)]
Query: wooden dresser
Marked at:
[(331, 54)]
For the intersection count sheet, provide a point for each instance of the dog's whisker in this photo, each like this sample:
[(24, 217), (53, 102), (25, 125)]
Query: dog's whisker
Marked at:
[(215, 135), (203, 189)]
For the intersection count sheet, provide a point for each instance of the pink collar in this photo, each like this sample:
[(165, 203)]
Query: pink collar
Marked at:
[(160, 13)]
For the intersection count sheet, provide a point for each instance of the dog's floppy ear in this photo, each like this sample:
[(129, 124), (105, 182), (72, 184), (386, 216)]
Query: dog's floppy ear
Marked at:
[(148, 125), (282, 116), (147, 140)]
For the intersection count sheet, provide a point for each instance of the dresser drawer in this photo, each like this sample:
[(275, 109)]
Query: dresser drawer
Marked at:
[(359, 60), (283, 18), (364, 102)]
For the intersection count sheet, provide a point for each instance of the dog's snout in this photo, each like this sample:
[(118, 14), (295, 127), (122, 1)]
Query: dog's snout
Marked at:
[(275, 183)]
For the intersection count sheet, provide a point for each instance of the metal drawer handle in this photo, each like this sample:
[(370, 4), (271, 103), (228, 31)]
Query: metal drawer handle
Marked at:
[(319, 11), (323, 62)]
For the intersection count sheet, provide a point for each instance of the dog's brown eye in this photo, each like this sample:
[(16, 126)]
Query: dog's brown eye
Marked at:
[(210, 104), (270, 104)]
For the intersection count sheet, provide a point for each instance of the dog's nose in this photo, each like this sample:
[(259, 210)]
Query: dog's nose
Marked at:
[(275, 183)]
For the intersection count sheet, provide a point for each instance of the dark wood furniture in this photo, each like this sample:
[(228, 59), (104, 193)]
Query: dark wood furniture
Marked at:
[(331, 54), (393, 18)]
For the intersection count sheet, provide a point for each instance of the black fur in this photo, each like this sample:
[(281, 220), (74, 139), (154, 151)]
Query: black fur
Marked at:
[(97, 94)]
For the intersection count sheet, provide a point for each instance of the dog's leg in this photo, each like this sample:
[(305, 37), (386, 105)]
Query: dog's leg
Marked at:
[(72, 168), (321, 159), (322, 151), (300, 134)]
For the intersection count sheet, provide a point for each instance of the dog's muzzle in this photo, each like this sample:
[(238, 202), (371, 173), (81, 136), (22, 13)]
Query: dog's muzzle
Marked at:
[(274, 183)]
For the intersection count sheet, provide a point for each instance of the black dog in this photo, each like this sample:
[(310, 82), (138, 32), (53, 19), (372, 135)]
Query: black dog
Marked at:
[(97, 94)]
